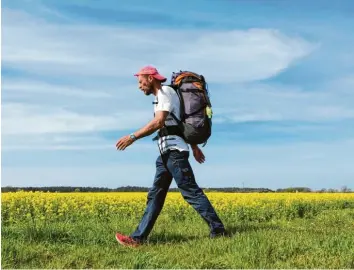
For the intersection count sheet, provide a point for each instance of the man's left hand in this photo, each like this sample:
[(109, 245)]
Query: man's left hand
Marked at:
[(124, 142), (198, 154)]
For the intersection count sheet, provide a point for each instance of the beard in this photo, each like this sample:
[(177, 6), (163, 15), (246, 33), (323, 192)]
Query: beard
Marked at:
[(148, 89), (148, 92)]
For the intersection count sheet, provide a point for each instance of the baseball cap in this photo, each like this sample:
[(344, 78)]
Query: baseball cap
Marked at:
[(150, 70)]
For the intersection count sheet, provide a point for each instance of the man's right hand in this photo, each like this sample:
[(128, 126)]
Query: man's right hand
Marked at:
[(198, 154)]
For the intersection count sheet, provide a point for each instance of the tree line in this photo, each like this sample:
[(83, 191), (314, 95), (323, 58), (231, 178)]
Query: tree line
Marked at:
[(146, 189)]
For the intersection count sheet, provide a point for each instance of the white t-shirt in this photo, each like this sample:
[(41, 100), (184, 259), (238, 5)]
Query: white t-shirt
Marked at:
[(167, 100)]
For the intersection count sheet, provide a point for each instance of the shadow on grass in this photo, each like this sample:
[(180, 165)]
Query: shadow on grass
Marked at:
[(244, 228), (232, 231), (170, 238)]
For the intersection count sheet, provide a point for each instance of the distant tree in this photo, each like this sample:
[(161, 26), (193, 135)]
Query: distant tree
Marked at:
[(294, 189), (331, 190), (345, 189)]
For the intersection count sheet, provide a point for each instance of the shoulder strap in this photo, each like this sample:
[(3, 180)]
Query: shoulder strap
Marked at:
[(174, 117), (181, 109)]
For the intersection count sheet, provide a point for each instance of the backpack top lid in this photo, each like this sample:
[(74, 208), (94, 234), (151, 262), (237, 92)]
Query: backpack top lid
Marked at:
[(178, 78)]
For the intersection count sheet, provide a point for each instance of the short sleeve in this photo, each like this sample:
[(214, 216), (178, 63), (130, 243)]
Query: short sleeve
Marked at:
[(164, 102)]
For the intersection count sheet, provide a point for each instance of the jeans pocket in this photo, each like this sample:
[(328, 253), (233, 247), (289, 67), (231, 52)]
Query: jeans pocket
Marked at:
[(187, 175), (183, 172)]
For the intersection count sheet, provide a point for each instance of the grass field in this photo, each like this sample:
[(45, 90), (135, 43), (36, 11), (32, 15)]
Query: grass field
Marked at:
[(76, 230)]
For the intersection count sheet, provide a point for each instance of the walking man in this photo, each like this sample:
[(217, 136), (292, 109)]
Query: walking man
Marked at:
[(172, 162)]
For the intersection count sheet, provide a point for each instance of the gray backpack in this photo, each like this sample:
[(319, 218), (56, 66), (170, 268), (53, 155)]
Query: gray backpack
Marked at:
[(195, 126)]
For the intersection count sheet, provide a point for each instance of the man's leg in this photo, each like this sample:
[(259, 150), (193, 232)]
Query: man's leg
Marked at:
[(182, 172), (155, 201)]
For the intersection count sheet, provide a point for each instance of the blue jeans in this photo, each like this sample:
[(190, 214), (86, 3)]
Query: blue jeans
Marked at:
[(180, 169)]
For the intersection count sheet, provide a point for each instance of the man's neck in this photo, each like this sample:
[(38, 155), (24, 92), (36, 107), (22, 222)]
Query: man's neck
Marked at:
[(157, 87)]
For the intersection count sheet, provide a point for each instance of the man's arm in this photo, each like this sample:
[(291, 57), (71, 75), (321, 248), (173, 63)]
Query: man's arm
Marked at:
[(194, 146), (153, 125)]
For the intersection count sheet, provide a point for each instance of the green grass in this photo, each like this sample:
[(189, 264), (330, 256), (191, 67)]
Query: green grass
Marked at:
[(322, 241)]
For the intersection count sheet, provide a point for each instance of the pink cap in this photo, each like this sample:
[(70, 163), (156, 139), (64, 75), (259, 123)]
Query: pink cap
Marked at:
[(149, 70)]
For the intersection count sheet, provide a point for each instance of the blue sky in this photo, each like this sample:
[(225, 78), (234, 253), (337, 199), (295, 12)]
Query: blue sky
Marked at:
[(280, 73)]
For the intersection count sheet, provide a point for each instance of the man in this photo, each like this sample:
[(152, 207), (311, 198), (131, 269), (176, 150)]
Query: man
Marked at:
[(171, 163)]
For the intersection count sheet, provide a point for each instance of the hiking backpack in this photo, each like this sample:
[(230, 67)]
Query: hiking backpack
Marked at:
[(195, 125)]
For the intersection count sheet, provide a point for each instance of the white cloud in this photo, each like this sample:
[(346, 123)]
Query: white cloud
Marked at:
[(237, 116), (42, 88), (331, 112), (54, 142), (104, 97), (71, 50), (26, 119), (274, 102)]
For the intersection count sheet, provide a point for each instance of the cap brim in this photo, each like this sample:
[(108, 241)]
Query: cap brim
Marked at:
[(159, 77)]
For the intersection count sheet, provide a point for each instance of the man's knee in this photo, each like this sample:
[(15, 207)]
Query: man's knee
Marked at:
[(157, 192), (151, 194)]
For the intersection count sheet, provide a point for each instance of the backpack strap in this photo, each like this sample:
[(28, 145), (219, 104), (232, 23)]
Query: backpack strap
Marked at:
[(176, 119), (181, 102)]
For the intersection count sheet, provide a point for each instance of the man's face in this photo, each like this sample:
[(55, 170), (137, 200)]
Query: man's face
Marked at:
[(146, 84)]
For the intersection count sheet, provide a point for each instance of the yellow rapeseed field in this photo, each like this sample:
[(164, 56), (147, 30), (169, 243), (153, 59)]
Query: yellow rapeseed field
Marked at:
[(23, 206), (267, 230)]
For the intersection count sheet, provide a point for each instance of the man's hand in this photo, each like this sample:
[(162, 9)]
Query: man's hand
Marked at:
[(198, 154), (124, 142)]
